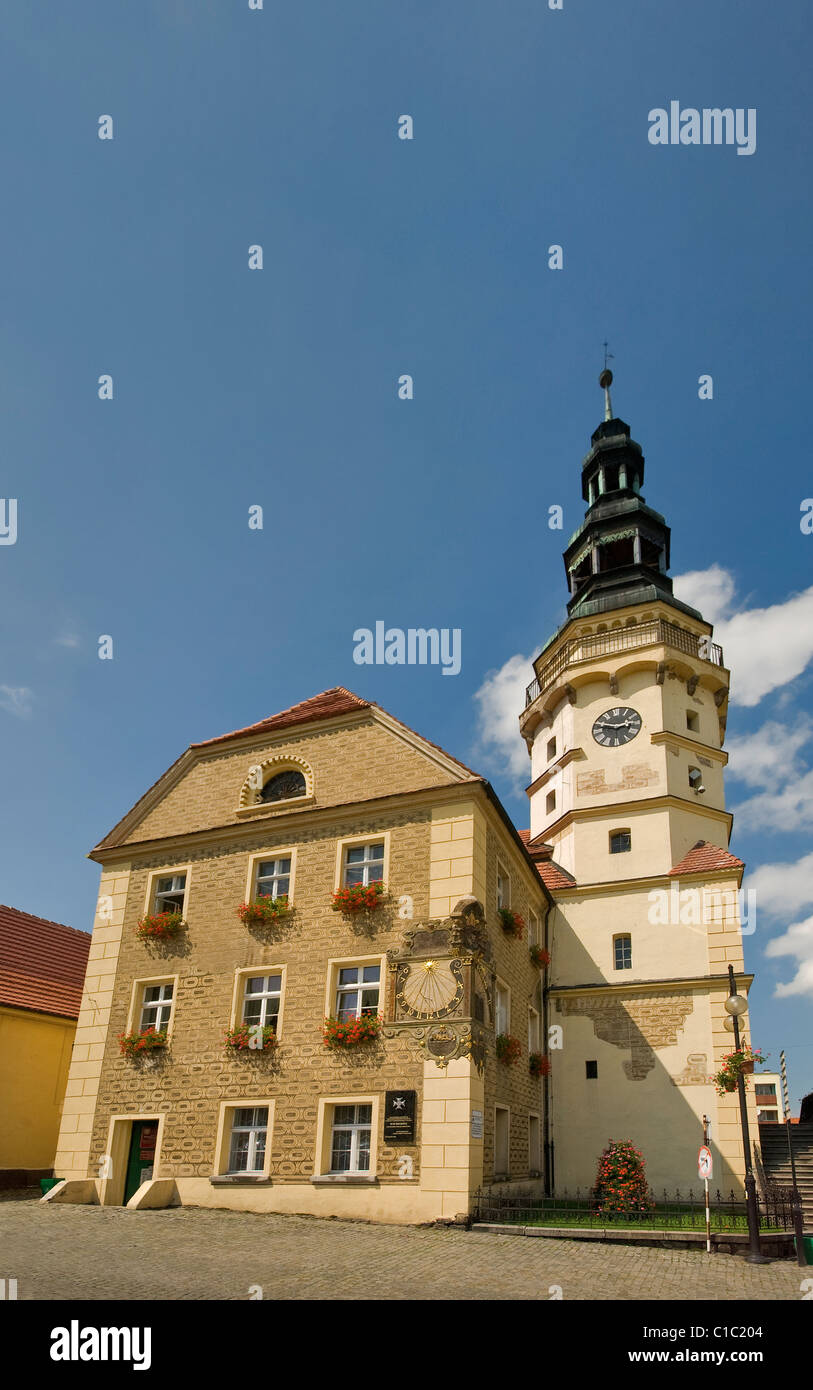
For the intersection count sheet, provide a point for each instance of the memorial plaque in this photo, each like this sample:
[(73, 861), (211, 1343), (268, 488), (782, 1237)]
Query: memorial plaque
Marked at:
[(476, 1124), (399, 1117)]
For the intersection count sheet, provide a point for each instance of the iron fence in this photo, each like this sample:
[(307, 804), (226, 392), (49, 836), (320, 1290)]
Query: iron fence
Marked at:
[(673, 1211)]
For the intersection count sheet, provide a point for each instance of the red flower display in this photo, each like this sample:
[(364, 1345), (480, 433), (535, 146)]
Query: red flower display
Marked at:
[(264, 910), (508, 1049), (251, 1037), (512, 923), (349, 1032), (621, 1184), (359, 897), (538, 1064), (161, 926), (144, 1040), (539, 957)]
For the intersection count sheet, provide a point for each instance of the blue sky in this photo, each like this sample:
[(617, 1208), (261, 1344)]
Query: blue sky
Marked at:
[(381, 257)]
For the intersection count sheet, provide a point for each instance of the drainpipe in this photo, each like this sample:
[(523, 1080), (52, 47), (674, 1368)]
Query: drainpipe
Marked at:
[(546, 1086)]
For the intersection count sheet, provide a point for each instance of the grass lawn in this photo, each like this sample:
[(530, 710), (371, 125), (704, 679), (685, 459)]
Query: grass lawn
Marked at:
[(580, 1214)]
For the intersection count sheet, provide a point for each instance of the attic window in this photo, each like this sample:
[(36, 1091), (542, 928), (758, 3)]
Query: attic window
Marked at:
[(284, 786)]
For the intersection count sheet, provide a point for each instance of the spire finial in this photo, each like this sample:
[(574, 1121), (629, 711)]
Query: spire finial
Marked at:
[(605, 381)]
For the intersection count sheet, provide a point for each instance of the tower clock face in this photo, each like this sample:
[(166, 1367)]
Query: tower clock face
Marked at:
[(617, 726), (430, 989)]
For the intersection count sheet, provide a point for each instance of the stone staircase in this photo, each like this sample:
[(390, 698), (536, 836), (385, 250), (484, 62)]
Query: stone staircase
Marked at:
[(773, 1142)]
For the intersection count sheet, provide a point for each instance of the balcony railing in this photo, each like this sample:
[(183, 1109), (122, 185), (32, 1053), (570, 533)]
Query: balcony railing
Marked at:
[(659, 632)]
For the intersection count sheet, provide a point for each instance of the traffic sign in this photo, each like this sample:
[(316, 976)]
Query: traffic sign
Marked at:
[(704, 1164)]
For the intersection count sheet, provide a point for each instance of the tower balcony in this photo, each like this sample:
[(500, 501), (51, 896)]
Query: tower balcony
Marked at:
[(578, 651)]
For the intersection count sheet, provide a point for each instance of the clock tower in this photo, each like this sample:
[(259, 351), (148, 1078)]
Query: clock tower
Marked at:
[(625, 722)]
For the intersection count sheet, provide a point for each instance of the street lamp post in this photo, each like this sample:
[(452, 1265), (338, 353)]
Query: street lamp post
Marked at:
[(736, 1005)]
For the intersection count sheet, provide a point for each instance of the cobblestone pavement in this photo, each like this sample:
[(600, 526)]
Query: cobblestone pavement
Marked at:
[(66, 1252)]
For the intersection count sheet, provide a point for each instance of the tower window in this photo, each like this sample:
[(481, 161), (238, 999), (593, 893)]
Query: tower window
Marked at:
[(622, 947), (692, 720), (591, 1070), (695, 779), (620, 841), (550, 802), (551, 748)]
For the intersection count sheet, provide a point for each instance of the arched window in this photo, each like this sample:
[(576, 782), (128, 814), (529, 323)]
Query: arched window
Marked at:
[(283, 786)]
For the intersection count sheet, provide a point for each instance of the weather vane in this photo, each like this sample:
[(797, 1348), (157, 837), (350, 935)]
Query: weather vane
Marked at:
[(605, 381)]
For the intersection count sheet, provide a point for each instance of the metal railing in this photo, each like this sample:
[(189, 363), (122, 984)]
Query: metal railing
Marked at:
[(658, 632), (675, 1211)]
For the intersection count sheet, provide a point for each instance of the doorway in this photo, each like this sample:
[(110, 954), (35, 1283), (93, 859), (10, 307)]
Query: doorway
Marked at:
[(141, 1156)]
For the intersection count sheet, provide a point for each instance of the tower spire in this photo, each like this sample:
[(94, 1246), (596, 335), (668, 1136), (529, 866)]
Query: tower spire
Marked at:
[(605, 381)]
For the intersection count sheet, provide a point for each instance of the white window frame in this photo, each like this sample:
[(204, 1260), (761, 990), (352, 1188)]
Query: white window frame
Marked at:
[(502, 993), (249, 972), (534, 928), (355, 1128), (622, 936), (503, 889), (356, 842), (334, 965), (136, 1009), (262, 857), (324, 1139), (174, 870), (360, 987), (534, 1159), (534, 1030), (225, 1127)]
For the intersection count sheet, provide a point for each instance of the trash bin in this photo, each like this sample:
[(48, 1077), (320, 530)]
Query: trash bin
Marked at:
[(47, 1183), (807, 1247)]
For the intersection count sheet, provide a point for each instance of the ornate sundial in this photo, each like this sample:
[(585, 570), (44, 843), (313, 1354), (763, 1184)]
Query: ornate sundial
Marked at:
[(429, 988)]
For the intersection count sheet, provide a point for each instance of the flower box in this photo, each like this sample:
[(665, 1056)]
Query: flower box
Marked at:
[(251, 1037), (359, 897), (539, 957), (143, 1041), (512, 923), (508, 1049), (264, 910), (340, 1033), (538, 1064), (735, 1065), (161, 926)]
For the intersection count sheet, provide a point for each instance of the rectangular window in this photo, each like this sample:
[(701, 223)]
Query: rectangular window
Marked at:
[(350, 1139), (261, 1000), (534, 930), (620, 841), (695, 778), (249, 1128), (591, 1070), (503, 888), (534, 1044), (765, 1089), (501, 1008), (551, 749), (357, 990), (273, 878), (550, 802), (156, 1007), (692, 721), (363, 864), (623, 952), (170, 891), (534, 1144), (502, 1135)]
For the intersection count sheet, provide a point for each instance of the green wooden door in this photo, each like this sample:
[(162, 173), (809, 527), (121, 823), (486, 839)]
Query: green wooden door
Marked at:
[(141, 1157)]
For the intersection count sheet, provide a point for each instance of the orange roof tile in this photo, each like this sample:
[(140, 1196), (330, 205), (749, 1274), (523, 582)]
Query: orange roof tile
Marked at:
[(42, 963), (705, 857), (554, 876), (327, 705)]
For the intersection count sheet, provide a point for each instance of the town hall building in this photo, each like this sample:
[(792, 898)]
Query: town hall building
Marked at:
[(329, 975)]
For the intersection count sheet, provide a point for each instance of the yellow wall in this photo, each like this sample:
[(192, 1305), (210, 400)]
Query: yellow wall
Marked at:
[(35, 1052)]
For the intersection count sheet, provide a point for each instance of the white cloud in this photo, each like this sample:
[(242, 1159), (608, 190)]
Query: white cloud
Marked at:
[(501, 699), (16, 700), (67, 639), (710, 591), (783, 888), (788, 808), (764, 648), (769, 755), (797, 941)]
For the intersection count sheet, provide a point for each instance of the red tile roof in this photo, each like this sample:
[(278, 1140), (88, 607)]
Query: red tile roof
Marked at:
[(552, 874), (706, 857), (42, 964), (327, 705)]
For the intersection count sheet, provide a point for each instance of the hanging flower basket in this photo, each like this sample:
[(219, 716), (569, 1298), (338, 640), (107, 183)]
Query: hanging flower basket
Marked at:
[(251, 1037), (538, 1064), (144, 1040), (340, 1033), (359, 897), (512, 923), (735, 1065), (264, 910), (161, 926), (508, 1049), (539, 957)]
